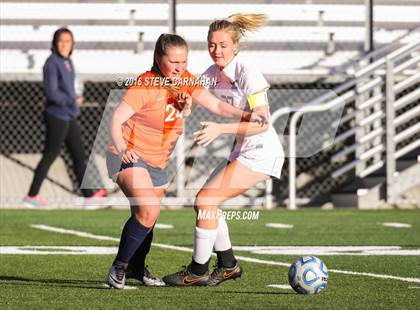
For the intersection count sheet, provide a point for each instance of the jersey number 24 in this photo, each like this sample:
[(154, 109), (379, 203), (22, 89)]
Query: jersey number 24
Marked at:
[(171, 113)]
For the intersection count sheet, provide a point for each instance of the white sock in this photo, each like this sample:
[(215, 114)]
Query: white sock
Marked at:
[(222, 242), (203, 244)]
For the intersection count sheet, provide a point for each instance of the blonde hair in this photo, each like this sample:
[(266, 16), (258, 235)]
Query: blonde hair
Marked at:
[(237, 25)]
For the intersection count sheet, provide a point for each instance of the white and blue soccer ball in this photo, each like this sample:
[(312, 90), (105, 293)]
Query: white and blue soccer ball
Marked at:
[(308, 275)]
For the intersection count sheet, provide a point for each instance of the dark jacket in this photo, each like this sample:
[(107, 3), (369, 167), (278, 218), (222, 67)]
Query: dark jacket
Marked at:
[(59, 81)]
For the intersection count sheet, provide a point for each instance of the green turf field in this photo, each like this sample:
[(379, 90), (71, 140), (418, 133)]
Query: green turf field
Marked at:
[(76, 281)]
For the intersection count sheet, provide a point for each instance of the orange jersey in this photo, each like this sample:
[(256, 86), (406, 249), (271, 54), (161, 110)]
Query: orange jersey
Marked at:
[(157, 124)]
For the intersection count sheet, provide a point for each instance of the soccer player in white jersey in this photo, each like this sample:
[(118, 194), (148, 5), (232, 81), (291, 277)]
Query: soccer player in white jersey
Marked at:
[(256, 156)]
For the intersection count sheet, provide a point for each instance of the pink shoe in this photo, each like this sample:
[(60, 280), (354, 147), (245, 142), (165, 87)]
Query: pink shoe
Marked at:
[(96, 201), (35, 201), (99, 194)]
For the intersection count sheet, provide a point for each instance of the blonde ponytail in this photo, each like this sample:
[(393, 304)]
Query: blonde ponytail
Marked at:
[(238, 24), (248, 22)]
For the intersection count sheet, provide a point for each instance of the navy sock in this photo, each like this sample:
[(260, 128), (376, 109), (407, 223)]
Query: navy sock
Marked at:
[(137, 262), (226, 258), (132, 236)]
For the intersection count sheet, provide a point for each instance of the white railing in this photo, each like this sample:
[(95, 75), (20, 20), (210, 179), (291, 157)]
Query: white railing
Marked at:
[(367, 79)]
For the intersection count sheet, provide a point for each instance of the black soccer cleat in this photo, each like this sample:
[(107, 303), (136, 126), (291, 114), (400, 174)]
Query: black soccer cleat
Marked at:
[(186, 278), (221, 274), (147, 278)]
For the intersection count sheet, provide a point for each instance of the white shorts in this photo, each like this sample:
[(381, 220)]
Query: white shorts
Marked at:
[(261, 153), (269, 166)]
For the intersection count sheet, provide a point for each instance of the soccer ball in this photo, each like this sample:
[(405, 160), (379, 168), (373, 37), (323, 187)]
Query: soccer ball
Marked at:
[(308, 275)]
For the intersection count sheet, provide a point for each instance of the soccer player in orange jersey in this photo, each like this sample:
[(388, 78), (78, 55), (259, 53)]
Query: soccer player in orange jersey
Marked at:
[(145, 127)]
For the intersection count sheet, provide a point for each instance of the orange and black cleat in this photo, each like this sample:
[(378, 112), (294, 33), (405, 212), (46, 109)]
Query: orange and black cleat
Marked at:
[(186, 278), (221, 274)]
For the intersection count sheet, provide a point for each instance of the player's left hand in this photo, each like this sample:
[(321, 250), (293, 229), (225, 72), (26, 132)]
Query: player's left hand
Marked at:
[(185, 102), (208, 133), (257, 118)]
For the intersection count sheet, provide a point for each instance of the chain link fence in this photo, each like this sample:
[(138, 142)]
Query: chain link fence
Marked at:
[(21, 106)]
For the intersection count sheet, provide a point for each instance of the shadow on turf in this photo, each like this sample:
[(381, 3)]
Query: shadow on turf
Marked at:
[(55, 282), (100, 285), (255, 293)]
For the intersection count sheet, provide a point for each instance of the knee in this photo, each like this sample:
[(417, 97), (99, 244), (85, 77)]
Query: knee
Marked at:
[(207, 200), (147, 216)]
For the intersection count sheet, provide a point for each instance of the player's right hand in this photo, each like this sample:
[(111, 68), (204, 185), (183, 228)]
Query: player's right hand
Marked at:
[(130, 156), (184, 101)]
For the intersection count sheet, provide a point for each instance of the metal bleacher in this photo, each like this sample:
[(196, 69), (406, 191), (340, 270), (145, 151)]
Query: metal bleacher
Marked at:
[(302, 40)]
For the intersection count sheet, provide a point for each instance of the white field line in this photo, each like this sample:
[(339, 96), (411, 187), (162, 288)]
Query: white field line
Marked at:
[(74, 232), (243, 258), (99, 237), (281, 286), (396, 225), (58, 250), (329, 250), (164, 226), (279, 225)]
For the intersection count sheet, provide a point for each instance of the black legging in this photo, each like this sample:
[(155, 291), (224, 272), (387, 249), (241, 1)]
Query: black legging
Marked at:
[(57, 132)]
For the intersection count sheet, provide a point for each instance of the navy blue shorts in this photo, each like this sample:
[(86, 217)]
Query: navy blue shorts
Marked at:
[(115, 165)]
